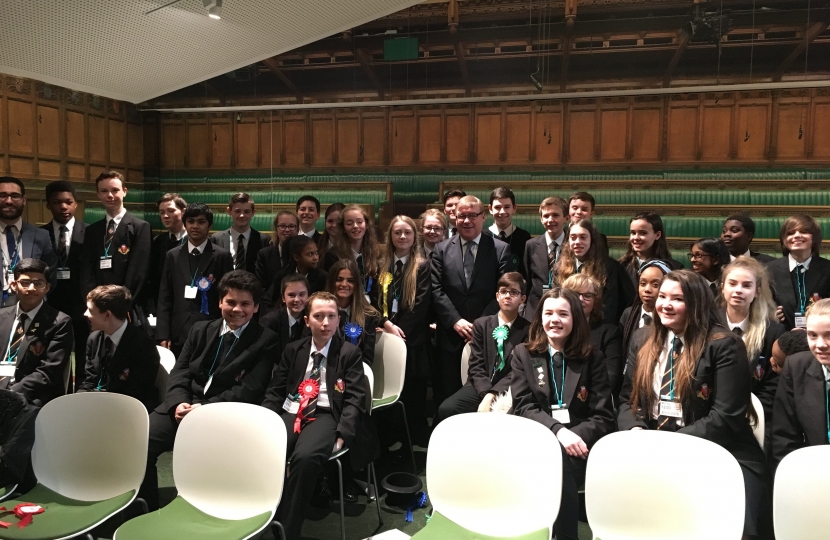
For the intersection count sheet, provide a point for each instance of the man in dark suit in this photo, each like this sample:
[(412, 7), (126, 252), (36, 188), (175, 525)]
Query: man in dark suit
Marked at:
[(171, 207), (489, 370), (67, 237), (326, 375), (502, 207), (286, 319), (37, 339), (465, 272), (228, 359), (120, 357), (308, 212), (738, 232), (20, 240), (187, 291), (542, 252), (117, 248), (241, 240)]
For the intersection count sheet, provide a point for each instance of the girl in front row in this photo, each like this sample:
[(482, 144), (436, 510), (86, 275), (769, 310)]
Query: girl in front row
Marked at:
[(560, 381), (691, 375)]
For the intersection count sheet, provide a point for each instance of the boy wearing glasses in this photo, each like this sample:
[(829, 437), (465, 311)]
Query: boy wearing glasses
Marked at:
[(494, 337), (37, 339)]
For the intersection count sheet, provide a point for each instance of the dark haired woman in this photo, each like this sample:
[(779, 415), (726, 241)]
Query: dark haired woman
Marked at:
[(708, 257), (646, 241)]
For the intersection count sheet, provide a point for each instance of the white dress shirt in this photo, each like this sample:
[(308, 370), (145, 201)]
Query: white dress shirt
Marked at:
[(660, 369), (235, 241), (323, 395), (56, 229)]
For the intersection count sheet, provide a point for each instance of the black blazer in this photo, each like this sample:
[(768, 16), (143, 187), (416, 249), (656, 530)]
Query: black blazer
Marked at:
[(43, 355), (537, 272), (374, 291), (607, 339), (367, 339), (273, 295), (176, 314), (816, 279), (65, 296), (612, 302), (800, 417), (516, 241), (35, 244), (132, 370), (241, 376), (764, 379), (130, 252), (415, 322), (484, 355), (760, 257), (277, 321), (452, 299), (159, 247), (268, 264), (586, 393), (257, 241), (344, 369), (716, 410)]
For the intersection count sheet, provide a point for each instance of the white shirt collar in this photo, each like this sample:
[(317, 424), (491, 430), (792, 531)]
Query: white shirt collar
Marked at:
[(559, 239), (118, 217), (643, 313), (476, 240), (324, 351), (793, 262), (291, 320), (402, 259), (118, 334), (201, 247), (17, 224), (507, 231), (70, 225), (502, 322), (237, 332), (235, 234), (741, 325), (310, 233), (747, 254), (179, 235), (32, 313)]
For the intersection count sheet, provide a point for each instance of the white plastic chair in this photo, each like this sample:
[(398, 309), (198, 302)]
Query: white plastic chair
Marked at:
[(390, 371), (228, 463), (677, 501), (522, 499), (465, 363), (166, 362), (758, 428), (800, 494)]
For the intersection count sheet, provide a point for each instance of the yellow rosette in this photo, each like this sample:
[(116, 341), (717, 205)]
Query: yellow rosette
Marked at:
[(385, 280)]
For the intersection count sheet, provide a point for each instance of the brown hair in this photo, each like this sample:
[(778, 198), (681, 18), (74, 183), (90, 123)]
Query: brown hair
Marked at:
[(594, 263), (370, 249), (359, 307), (242, 198), (509, 278), (554, 201), (805, 224), (578, 344), (576, 282), (321, 296), (109, 175), (113, 298), (174, 198), (410, 270)]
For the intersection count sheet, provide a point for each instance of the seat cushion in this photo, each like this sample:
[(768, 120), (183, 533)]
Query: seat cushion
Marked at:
[(382, 402), (441, 528), (181, 520), (62, 517)]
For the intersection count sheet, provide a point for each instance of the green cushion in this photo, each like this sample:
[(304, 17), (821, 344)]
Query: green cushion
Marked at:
[(181, 520), (441, 528), (385, 401), (63, 517), (6, 491)]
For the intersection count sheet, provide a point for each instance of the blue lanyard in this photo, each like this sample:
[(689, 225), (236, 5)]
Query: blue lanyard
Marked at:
[(219, 348), (802, 288), (557, 392), (671, 370)]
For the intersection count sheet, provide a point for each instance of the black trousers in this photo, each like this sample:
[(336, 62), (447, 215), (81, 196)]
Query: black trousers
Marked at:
[(566, 526), (446, 377), (463, 401), (307, 452), (163, 428)]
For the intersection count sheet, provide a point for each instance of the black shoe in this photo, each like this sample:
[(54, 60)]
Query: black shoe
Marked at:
[(350, 492), (322, 495)]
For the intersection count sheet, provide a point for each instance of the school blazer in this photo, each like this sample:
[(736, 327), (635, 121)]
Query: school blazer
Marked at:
[(273, 295), (277, 321), (159, 247), (538, 272), (268, 264), (176, 314), (130, 252), (132, 370), (256, 242), (35, 244), (344, 382), (800, 419), (586, 393), (607, 338), (612, 302), (484, 355), (451, 297), (760, 257), (367, 339), (65, 294), (516, 241), (415, 321), (716, 409), (816, 279), (43, 355), (241, 376)]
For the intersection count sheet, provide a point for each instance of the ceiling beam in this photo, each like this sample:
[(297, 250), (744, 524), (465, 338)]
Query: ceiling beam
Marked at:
[(462, 65), (812, 33), (273, 65), (367, 68), (685, 38)]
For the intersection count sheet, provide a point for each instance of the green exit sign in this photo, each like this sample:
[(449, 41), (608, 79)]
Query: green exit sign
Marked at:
[(400, 49)]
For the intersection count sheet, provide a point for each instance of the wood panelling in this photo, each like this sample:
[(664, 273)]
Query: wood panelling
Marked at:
[(75, 135), (198, 148), (753, 132), (682, 133), (645, 134), (322, 141), (97, 138), (117, 141), (458, 138), (717, 127), (294, 142), (246, 145), (429, 139), (792, 130), (270, 137), (612, 142), (348, 141), (173, 149), (20, 126), (581, 147), (135, 145), (403, 140), (48, 131), (220, 144), (49, 169), (374, 135), (518, 137), (547, 137), (822, 136), (488, 137)]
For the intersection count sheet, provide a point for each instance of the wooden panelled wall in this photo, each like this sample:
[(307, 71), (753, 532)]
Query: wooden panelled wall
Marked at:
[(49, 133), (732, 129)]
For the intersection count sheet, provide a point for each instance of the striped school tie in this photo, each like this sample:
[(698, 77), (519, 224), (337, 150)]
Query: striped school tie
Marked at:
[(667, 423)]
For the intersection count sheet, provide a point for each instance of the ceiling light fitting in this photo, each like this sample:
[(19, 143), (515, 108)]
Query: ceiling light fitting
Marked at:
[(214, 8)]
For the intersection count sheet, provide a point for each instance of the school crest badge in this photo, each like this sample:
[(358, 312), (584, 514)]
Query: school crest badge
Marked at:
[(124, 249), (583, 393), (37, 348), (340, 385), (759, 372), (125, 374), (703, 393)]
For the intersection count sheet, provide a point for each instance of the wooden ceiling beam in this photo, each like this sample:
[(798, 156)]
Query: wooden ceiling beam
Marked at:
[(462, 65), (682, 45), (360, 54), (812, 33), (273, 65)]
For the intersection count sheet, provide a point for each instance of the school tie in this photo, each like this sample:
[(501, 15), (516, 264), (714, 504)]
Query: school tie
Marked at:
[(469, 261), (61, 247), (240, 253), (294, 331), (553, 250), (557, 377), (18, 334), (453, 231), (647, 320), (308, 412), (398, 268), (11, 244), (109, 349), (110, 232), (738, 332), (667, 423), (714, 288), (360, 266), (195, 252), (502, 236)]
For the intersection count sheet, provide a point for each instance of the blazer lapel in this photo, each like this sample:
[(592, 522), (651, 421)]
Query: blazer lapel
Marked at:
[(184, 264), (784, 281), (486, 248), (456, 250), (211, 333), (50, 229), (6, 322), (33, 332), (333, 365), (27, 240), (815, 383), (119, 359), (541, 374), (206, 262), (573, 373), (515, 336), (298, 369), (239, 347), (491, 348), (812, 276)]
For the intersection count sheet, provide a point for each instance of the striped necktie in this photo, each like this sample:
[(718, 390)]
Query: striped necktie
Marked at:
[(667, 423)]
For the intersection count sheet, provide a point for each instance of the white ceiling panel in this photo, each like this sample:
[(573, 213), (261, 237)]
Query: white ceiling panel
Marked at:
[(111, 48)]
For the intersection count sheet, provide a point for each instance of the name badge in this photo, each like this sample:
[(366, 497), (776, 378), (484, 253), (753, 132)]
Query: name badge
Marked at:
[(671, 409), (63, 273), (800, 320), (190, 292), (7, 369), (395, 305), (545, 288), (291, 406), (366, 296), (560, 414), (207, 385), (106, 263)]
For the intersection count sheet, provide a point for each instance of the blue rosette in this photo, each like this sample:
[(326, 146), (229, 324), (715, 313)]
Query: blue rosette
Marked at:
[(204, 286), (353, 332)]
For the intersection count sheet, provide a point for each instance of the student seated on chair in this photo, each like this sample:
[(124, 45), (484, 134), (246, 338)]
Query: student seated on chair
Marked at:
[(362, 319), (304, 259), (228, 359), (691, 375), (36, 339), (800, 413), (560, 381), (120, 357), (287, 319), (319, 391), (494, 338)]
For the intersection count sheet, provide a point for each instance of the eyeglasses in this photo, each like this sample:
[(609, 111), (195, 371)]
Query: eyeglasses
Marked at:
[(512, 293), (588, 295), (696, 256), (465, 217), (433, 228), (12, 196), (284, 227), (27, 283)]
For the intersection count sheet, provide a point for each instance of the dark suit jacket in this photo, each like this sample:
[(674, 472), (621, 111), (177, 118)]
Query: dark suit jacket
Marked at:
[(764, 379), (277, 321), (415, 322), (612, 297), (537, 272), (816, 279), (241, 376), (257, 241), (132, 370), (367, 339), (760, 257), (43, 355), (176, 314), (607, 339), (516, 241), (344, 368), (586, 393), (484, 355), (273, 295), (718, 411), (268, 264), (35, 244), (159, 247), (130, 252), (452, 299), (65, 296), (800, 417)]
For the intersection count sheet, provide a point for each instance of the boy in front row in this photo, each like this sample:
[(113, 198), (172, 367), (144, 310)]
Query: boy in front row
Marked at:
[(319, 391)]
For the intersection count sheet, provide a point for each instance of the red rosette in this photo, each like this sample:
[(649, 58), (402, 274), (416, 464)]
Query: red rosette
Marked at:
[(308, 390), (23, 512)]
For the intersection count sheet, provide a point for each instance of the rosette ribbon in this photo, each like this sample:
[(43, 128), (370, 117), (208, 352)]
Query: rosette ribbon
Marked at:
[(204, 286), (420, 502), (385, 280), (352, 331), (309, 389), (24, 512), (500, 335)]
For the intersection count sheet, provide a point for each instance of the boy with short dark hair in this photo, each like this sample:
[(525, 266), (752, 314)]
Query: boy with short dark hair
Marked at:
[(451, 199), (542, 252), (286, 319), (308, 212), (581, 205), (171, 209), (241, 240), (502, 208)]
